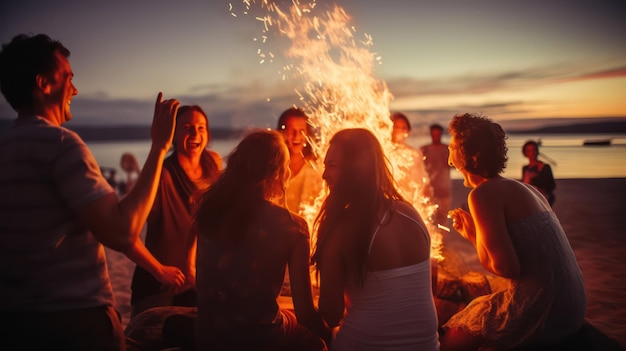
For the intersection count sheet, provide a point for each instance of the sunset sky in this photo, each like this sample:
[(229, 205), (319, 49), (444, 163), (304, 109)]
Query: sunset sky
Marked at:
[(510, 60)]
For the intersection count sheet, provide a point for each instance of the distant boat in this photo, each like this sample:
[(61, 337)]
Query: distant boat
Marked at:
[(597, 142)]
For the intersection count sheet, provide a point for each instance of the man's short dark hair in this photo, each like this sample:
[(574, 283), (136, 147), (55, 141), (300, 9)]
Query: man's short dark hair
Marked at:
[(436, 126), (21, 60)]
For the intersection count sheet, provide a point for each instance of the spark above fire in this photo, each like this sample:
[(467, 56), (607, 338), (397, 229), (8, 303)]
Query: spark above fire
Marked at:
[(334, 72)]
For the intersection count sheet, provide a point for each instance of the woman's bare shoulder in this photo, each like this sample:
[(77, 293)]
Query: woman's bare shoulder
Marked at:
[(408, 210), (515, 197), (493, 191), (404, 206), (497, 185)]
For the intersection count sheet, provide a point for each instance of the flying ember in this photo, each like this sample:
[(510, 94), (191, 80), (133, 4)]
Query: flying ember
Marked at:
[(334, 71)]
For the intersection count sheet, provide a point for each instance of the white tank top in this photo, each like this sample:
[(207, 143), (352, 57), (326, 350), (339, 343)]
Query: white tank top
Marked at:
[(393, 310)]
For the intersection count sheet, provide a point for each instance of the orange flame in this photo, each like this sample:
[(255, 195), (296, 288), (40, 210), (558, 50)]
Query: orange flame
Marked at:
[(339, 91)]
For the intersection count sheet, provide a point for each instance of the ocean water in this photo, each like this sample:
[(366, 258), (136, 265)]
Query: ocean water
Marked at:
[(566, 153)]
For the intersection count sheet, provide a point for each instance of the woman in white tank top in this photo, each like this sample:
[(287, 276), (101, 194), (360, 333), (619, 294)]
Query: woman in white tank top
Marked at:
[(372, 254)]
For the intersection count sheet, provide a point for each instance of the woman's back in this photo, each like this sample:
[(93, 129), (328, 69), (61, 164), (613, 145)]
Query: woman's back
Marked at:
[(238, 286), (394, 309), (401, 239)]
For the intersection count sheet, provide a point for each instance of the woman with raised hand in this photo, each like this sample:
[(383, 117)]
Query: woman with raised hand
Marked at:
[(187, 172)]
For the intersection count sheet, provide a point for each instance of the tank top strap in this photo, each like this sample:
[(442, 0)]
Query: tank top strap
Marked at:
[(420, 225), (376, 231)]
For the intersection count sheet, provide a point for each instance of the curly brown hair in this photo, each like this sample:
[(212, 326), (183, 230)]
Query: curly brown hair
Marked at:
[(481, 144)]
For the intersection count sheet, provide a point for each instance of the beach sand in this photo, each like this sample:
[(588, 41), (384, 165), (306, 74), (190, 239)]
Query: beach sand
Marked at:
[(593, 216)]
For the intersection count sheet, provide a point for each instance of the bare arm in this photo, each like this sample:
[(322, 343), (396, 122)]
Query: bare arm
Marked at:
[(167, 275), (300, 280), (331, 301), (117, 224), (492, 240), (190, 268)]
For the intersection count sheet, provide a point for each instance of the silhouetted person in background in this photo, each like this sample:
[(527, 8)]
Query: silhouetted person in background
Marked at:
[(414, 183), (436, 161), (537, 173), (130, 166)]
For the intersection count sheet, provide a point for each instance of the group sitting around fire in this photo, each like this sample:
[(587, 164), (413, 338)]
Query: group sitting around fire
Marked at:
[(222, 239)]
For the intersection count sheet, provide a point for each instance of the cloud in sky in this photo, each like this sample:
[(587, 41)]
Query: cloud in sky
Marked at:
[(617, 72), (509, 60)]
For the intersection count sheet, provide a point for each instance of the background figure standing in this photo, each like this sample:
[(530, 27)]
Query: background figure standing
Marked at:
[(245, 243), (188, 171), (372, 253), (537, 173), (517, 237), (305, 183), (410, 173), (130, 166), (57, 210), (436, 161)]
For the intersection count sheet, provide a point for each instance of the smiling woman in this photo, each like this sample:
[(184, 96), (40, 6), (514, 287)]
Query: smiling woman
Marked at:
[(189, 170)]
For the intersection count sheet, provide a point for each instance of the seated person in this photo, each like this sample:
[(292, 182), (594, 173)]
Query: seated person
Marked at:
[(517, 237), (245, 243), (372, 253)]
